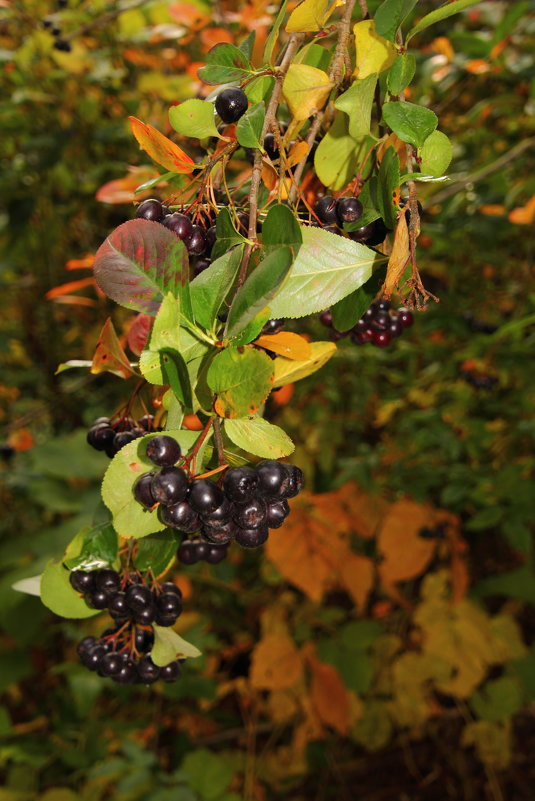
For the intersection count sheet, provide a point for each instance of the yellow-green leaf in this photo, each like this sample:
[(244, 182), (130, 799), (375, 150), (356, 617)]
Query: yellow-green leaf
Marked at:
[(288, 370), (309, 16), (305, 89), (374, 53)]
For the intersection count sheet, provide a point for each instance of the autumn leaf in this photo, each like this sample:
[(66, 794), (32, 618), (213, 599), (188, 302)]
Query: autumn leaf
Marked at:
[(276, 663), (139, 331), (287, 344), (161, 149), (109, 354), (305, 89), (374, 53), (398, 257), (328, 693), (405, 554), (123, 190)]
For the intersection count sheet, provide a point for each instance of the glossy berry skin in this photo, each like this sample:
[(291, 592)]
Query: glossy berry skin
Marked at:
[(163, 451), (146, 422), (147, 671), (205, 496), (372, 234), (348, 209), (220, 534), (181, 516), (187, 553), (294, 483), (146, 615), (123, 438), (325, 210), (196, 241), (92, 659), (82, 581), (150, 209), (111, 664), (117, 607), (271, 147), (170, 672), (127, 674), (85, 645), (381, 338), (383, 305), (138, 597), (231, 104), (277, 512), (271, 477), (240, 484), (210, 237), (170, 587), (179, 224), (100, 436), (144, 639), (273, 326), (216, 554), (142, 490), (107, 580), (405, 317), (201, 266), (251, 514), (381, 320), (326, 318), (395, 328), (170, 485), (220, 515), (169, 604), (97, 599), (252, 538)]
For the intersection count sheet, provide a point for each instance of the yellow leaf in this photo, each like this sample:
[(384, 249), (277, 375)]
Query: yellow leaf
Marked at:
[(374, 54), (405, 553), (276, 663), (374, 729), (297, 153), (161, 149), (287, 344), (288, 371), (508, 637), (492, 741), (305, 89), (398, 258), (309, 16)]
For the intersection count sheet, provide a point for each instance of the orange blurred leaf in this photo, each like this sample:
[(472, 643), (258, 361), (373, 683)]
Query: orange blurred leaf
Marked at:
[(287, 344), (70, 286), (276, 663), (405, 554), (357, 574), (283, 395), (524, 215), (188, 15), (109, 354), (160, 148), (328, 694), (212, 36), (85, 263), (21, 440), (122, 190)]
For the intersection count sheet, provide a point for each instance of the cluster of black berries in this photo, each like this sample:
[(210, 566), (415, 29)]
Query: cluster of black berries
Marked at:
[(196, 550), (378, 325), (249, 503), (332, 214), (51, 25), (112, 435), (122, 652), (479, 380)]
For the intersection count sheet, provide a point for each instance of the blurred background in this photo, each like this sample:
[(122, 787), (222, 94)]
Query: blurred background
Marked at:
[(394, 660)]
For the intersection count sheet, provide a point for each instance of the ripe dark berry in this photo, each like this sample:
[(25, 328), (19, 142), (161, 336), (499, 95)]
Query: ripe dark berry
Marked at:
[(61, 44), (169, 604), (127, 674), (100, 436), (142, 490), (251, 514), (219, 534), (187, 553), (202, 549), (252, 538), (170, 586), (294, 483), (325, 210), (271, 476), (348, 209), (196, 241), (271, 147), (163, 451), (144, 639), (273, 327), (395, 329), (181, 516), (381, 320), (146, 422), (243, 222), (163, 619), (138, 597), (326, 318), (107, 580), (85, 645), (123, 438), (179, 224), (146, 615), (200, 266), (231, 104), (111, 664), (82, 581), (405, 317), (97, 599), (92, 659), (205, 496), (170, 485), (216, 554), (170, 672), (147, 671), (117, 607), (150, 209), (221, 515), (381, 338), (240, 484), (383, 305), (277, 512)]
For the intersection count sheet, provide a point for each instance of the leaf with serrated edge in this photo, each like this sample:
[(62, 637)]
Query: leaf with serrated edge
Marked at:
[(58, 595), (242, 379), (168, 646), (327, 268), (288, 371), (194, 118), (255, 435), (130, 519), (139, 263)]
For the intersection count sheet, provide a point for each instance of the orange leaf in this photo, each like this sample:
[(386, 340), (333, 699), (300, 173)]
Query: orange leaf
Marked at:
[(85, 263), (356, 574), (269, 176), (188, 15), (109, 354), (328, 694), (276, 663), (405, 553), (212, 36), (398, 258), (192, 423), (160, 148), (297, 153), (71, 286), (282, 396), (21, 440), (122, 190), (524, 215), (366, 510), (287, 344)]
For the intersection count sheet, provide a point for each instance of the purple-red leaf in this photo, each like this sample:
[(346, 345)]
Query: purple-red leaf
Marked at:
[(139, 263)]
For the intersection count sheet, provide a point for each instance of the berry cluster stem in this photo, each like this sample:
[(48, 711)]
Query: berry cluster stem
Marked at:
[(190, 458)]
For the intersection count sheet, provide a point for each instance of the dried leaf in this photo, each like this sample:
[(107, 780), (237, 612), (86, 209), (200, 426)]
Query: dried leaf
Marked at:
[(109, 354), (405, 554), (398, 258)]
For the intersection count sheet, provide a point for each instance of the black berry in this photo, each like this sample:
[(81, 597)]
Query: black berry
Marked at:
[(170, 485), (179, 224), (348, 209), (240, 484), (205, 496), (231, 104), (325, 210), (277, 512), (252, 538), (150, 209), (181, 516), (142, 490), (163, 451), (82, 581), (251, 514), (196, 241)]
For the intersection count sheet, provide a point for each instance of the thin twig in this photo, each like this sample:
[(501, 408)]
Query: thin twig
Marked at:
[(219, 441), (364, 9)]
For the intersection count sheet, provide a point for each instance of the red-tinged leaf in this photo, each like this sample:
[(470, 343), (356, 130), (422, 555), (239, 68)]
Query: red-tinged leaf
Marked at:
[(123, 190), (70, 286), (328, 693), (85, 263), (139, 263), (109, 355), (287, 344), (139, 331), (161, 149)]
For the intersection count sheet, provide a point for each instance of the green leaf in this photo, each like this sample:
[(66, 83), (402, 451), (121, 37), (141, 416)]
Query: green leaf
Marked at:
[(226, 234), (338, 155), (242, 379), (225, 63), (139, 263), (58, 595), (208, 774), (259, 89), (390, 15), (247, 45), (154, 181), (411, 123), (401, 73), (130, 519), (435, 154), (29, 586), (327, 268), (165, 334), (281, 228), (258, 290), (98, 549), (525, 669), (445, 11), (195, 118), (251, 330), (388, 182), (348, 653), (315, 56), (249, 127), (168, 646), (256, 435), (498, 699), (211, 287), (157, 551), (347, 312), (513, 584), (274, 35), (175, 373), (357, 103)]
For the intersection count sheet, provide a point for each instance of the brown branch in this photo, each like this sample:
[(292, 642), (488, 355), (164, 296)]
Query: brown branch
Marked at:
[(364, 9), (219, 441)]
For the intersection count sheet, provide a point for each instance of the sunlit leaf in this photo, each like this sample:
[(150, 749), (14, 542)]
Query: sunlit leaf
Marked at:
[(160, 148)]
